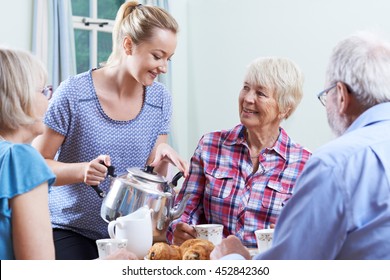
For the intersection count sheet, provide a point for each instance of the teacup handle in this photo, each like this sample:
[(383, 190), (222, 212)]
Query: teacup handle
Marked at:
[(111, 229)]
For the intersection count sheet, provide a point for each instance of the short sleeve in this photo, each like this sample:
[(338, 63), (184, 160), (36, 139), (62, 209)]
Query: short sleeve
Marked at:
[(167, 113), (159, 98), (22, 169), (59, 113)]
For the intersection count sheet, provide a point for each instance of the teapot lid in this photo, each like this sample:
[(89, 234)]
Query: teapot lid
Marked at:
[(146, 173)]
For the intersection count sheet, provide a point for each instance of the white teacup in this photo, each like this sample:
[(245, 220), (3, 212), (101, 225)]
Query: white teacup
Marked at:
[(136, 228), (264, 239), (108, 246), (210, 232)]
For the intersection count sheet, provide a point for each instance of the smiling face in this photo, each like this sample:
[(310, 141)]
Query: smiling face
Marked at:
[(257, 107), (150, 58)]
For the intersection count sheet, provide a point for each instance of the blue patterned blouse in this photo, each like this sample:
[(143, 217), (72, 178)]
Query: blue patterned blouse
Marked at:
[(76, 113)]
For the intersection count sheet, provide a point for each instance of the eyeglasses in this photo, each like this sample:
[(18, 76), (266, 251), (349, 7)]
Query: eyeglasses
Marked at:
[(47, 91), (322, 95)]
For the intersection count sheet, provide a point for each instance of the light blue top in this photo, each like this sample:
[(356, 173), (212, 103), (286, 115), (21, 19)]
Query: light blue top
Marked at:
[(22, 169), (341, 207), (76, 113)]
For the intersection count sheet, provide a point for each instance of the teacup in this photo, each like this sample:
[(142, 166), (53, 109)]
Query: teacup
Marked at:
[(264, 239), (136, 228), (108, 246), (210, 232)]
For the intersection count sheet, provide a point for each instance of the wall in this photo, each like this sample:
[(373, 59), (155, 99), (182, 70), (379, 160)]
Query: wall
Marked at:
[(218, 38), (16, 23), (221, 37)]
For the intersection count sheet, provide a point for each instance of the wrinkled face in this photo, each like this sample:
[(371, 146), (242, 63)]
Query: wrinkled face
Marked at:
[(337, 123), (257, 107), (150, 58)]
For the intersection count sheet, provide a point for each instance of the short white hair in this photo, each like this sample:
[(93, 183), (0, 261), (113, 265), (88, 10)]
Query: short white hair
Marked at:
[(362, 61), (281, 75)]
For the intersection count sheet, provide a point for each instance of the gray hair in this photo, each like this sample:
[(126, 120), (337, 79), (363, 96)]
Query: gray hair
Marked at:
[(281, 75), (362, 61)]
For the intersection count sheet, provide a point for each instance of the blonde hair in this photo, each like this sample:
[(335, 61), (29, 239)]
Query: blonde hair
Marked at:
[(138, 22), (281, 75), (21, 75)]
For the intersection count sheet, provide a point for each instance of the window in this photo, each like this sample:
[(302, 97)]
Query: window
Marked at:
[(93, 21)]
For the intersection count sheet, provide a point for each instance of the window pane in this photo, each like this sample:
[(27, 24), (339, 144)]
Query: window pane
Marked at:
[(82, 50), (104, 46), (80, 8), (107, 8)]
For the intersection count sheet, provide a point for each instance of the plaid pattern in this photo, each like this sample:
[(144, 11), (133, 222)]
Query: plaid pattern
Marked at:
[(226, 191)]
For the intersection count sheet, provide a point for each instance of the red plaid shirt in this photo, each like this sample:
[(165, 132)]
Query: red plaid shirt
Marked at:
[(224, 189)]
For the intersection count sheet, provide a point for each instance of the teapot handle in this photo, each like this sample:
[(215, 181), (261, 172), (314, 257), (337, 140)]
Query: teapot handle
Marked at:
[(176, 178), (110, 172)]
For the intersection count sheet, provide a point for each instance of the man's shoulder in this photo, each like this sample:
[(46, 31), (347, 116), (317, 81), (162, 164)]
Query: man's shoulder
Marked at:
[(348, 145)]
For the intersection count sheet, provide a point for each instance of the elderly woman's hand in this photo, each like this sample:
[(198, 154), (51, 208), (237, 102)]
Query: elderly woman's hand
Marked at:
[(166, 153), (182, 233), (230, 245)]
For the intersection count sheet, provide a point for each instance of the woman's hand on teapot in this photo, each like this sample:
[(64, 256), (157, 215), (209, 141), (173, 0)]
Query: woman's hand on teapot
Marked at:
[(95, 171), (166, 153), (182, 233)]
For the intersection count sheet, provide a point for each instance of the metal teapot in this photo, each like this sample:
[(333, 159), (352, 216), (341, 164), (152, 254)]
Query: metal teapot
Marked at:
[(143, 187)]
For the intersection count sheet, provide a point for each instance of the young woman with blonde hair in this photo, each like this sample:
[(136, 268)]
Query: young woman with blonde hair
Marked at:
[(117, 114)]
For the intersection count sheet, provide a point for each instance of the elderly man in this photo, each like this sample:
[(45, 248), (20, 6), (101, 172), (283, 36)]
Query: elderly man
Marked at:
[(341, 207)]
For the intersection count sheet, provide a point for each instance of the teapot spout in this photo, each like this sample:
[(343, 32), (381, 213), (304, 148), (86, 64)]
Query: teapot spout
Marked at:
[(176, 213)]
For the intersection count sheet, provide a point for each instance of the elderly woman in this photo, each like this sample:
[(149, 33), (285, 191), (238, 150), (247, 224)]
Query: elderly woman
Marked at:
[(241, 178), (25, 228)]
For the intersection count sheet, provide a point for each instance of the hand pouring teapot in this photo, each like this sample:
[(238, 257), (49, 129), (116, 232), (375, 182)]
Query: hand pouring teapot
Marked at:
[(143, 187)]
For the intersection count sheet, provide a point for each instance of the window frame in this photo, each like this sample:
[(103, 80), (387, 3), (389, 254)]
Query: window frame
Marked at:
[(94, 28)]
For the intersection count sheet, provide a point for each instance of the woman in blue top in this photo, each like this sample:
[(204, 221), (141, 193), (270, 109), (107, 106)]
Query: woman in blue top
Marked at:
[(116, 114), (25, 230)]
